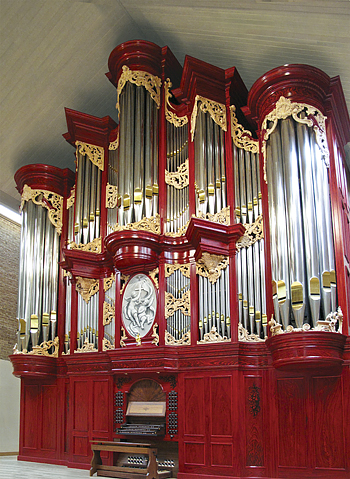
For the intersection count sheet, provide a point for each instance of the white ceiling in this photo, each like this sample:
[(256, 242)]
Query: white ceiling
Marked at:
[(54, 53)]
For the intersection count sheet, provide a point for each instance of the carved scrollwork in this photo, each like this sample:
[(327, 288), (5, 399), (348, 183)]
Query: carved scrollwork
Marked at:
[(169, 115), (222, 216), (216, 110), (151, 224), (107, 345), (114, 145), (172, 304), (184, 268), (123, 336), (51, 201), (112, 196), (213, 337), (242, 138), (180, 232), (210, 266), (43, 349), (108, 283), (71, 198), (243, 335), (95, 153), (152, 83), (253, 233), (108, 312), (155, 335), (179, 179), (313, 118), (124, 278), (94, 246), (86, 347), (171, 341), (154, 275), (86, 287)]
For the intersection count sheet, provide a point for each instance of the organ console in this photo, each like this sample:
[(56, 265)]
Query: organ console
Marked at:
[(186, 289)]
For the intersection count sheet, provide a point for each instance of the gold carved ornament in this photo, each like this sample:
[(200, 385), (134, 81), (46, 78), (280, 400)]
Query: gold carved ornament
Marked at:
[(43, 349), (108, 312), (171, 268), (152, 83), (124, 278), (51, 201), (107, 345), (216, 110), (169, 115), (114, 145), (154, 276), (213, 337), (95, 246), (108, 283), (179, 179), (210, 266), (313, 118), (242, 138), (254, 232), (222, 216), (123, 336), (151, 224), (171, 341), (243, 335), (180, 232), (71, 198), (155, 335), (86, 347), (86, 287), (112, 197), (95, 153), (173, 304)]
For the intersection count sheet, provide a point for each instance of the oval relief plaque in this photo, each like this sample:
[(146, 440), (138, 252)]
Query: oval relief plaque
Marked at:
[(139, 305)]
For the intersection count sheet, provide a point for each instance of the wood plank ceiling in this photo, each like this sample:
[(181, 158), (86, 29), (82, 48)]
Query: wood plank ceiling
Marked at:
[(53, 54)]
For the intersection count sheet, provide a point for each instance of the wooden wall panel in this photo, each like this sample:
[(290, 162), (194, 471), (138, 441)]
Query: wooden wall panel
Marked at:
[(49, 417), (194, 453), (254, 426), (292, 422), (328, 422), (221, 455), (101, 406), (80, 405), (221, 405), (31, 404), (194, 419)]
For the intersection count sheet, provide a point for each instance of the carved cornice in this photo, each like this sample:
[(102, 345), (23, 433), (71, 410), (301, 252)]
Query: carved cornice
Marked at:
[(242, 138), (313, 119), (216, 110), (49, 200), (171, 341), (179, 179), (94, 246), (112, 197), (254, 232), (222, 216), (169, 115), (93, 152), (243, 335), (210, 266), (86, 287), (151, 224), (152, 83)]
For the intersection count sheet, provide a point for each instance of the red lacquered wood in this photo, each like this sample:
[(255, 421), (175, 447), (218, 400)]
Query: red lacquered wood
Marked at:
[(118, 308), (313, 349), (88, 265), (161, 301), (45, 177), (101, 298), (39, 367), (74, 316), (162, 152)]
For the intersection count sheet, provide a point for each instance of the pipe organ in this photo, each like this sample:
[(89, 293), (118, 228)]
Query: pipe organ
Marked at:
[(196, 263)]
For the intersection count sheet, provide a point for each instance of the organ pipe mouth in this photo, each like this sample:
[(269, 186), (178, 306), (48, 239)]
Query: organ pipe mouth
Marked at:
[(149, 191), (315, 288), (34, 322), (297, 295), (281, 291), (45, 319), (138, 195), (326, 280), (126, 201), (155, 189), (22, 327), (333, 278)]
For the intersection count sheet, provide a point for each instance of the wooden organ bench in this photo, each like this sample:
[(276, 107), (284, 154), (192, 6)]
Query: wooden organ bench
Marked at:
[(128, 472)]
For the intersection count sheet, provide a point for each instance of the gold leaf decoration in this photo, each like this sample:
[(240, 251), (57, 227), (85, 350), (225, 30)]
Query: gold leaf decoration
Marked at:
[(216, 110), (171, 341), (180, 232), (184, 268), (179, 179), (155, 335), (124, 278), (123, 336), (47, 199), (94, 246), (108, 312), (86, 347), (71, 198), (112, 196), (152, 83), (254, 232), (151, 224), (242, 138), (243, 335), (170, 116), (153, 274), (213, 337), (44, 348), (108, 282), (107, 345), (172, 304), (86, 287), (114, 145), (222, 216), (210, 266), (95, 153)]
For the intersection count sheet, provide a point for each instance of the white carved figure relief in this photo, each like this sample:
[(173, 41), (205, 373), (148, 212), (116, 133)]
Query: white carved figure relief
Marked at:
[(139, 305)]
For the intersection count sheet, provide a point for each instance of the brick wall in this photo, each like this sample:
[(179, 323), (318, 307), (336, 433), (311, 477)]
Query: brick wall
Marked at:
[(10, 235)]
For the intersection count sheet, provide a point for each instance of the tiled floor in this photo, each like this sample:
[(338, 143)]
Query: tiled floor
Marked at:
[(10, 468)]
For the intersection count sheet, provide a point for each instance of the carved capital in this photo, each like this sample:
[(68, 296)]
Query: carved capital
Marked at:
[(93, 152), (210, 266)]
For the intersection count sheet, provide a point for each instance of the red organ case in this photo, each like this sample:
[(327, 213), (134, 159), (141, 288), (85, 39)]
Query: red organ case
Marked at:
[(188, 286)]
